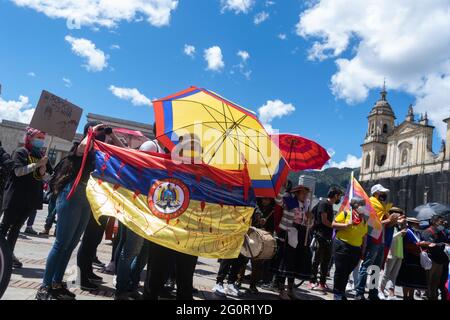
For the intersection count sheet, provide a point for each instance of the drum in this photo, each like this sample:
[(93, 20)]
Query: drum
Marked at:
[(259, 245)]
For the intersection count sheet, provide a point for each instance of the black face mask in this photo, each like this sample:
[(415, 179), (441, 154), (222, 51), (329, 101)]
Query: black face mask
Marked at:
[(382, 197)]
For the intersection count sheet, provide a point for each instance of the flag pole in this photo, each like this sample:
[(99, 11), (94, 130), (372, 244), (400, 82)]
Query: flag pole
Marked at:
[(350, 195)]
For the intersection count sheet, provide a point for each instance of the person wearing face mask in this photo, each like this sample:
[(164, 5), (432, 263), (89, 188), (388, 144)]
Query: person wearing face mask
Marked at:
[(24, 188), (351, 229), (73, 215), (435, 239), (374, 251), (411, 276), (295, 256), (323, 232)]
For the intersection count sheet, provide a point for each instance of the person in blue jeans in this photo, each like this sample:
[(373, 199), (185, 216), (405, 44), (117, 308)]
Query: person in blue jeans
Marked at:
[(129, 251), (73, 216), (374, 251)]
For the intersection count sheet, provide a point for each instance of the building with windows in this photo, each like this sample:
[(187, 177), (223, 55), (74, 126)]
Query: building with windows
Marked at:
[(133, 133), (401, 157)]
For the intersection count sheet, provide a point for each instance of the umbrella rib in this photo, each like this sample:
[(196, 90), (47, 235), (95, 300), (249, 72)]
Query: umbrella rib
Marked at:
[(265, 163), (204, 106), (224, 136)]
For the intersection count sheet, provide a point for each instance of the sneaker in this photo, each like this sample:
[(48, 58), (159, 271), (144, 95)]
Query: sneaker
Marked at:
[(30, 231), (321, 287), (135, 295), (44, 293), (58, 292), (253, 289), (45, 233), (312, 286), (122, 296), (97, 263), (219, 290), (64, 286), (88, 286), (360, 297), (109, 269), (381, 296), (392, 298), (284, 295), (95, 278), (232, 290), (16, 264), (114, 282)]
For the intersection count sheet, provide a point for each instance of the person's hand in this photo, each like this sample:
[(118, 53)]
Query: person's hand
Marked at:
[(42, 163), (423, 244), (262, 221), (98, 127)]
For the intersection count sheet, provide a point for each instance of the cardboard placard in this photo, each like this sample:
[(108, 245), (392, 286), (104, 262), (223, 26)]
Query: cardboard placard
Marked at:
[(56, 116)]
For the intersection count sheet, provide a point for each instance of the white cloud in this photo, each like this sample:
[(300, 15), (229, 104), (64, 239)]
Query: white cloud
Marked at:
[(282, 36), (214, 58), (189, 50), (350, 162), (20, 110), (244, 55), (114, 47), (237, 6), (260, 17), (269, 3), (31, 74), (132, 94), (383, 38), (274, 109), (96, 58), (104, 13), (67, 82)]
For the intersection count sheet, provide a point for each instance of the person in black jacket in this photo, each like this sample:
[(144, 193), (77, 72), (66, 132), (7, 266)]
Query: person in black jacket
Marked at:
[(24, 188), (435, 239), (6, 165)]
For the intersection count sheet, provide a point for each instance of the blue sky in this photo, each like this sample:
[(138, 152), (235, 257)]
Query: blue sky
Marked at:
[(35, 55)]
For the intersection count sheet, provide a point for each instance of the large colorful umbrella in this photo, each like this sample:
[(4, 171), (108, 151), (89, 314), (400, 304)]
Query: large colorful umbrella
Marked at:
[(301, 153), (230, 136)]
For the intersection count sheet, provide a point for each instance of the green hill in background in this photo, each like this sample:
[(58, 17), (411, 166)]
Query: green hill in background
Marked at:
[(326, 178)]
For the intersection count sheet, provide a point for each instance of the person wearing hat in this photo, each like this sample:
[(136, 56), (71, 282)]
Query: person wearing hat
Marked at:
[(294, 221), (374, 251), (24, 188), (351, 229), (73, 214), (411, 275), (394, 258)]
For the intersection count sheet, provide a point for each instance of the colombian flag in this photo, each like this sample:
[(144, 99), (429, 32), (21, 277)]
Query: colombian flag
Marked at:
[(191, 208), (356, 190)]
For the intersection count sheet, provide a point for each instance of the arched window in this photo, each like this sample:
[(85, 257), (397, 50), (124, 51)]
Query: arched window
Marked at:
[(404, 159), (372, 130), (367, 161), (385, 128), (382, 160)]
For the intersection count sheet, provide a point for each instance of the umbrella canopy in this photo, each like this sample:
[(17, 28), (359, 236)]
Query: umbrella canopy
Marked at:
[(230, 136), (426, 211), (301, 153), (133, 138)]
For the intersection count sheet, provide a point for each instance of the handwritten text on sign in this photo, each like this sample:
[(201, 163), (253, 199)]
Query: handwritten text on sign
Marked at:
[(56, 116)]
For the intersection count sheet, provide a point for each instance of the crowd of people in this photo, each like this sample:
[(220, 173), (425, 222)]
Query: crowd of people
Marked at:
[(311, 241)]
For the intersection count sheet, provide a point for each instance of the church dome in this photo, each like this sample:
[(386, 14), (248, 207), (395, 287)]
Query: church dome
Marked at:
[(382, 106)]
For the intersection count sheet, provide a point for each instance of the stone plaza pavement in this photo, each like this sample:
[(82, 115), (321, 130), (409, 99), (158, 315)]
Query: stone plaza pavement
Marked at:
[(33, 251)]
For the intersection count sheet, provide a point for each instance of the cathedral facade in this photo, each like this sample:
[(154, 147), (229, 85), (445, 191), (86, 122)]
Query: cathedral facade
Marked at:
[(401, 157)]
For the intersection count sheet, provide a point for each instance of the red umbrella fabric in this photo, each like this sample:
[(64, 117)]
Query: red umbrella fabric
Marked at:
[(301, 153)]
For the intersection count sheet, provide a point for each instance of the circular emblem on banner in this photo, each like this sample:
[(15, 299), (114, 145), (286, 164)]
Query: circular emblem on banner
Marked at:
[(168, 198)]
